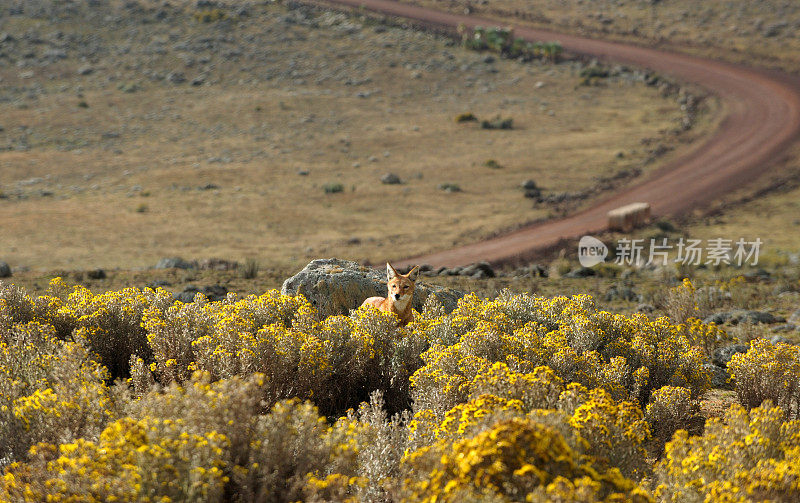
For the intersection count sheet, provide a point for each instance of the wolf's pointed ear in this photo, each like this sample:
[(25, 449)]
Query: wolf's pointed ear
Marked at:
[(413, 274), (390, 272)]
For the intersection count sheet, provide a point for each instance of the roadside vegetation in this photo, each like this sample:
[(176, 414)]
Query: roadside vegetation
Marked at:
[(128, 396)]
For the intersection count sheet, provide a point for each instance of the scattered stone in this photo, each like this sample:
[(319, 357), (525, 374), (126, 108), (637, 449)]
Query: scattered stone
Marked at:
[(622, 293), (743, 316), (85, 70), (449, 187), (214, 293), (158, 283), (779, 339), (302, 172), (217, 264), (775, 29), (391, 179), (758, 275), (5, 270), (722, 356), (645, 308), (719, 377), (478, 270), (581, 272), (176, 77), (794, 318), (174, 263), (786, 327), (96, 274), (336, 286)]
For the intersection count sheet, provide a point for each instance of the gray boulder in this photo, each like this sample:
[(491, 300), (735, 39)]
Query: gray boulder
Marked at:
[(335, 286), (214, 293), (722, 356), (5, 270), (743, 316), (794, 318), (174, 263), (581, 272)]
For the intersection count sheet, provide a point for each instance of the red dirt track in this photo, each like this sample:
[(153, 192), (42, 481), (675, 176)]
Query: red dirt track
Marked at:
[(762, 122)]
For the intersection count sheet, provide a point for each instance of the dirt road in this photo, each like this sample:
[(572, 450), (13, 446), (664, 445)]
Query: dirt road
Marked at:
[(762, 121)]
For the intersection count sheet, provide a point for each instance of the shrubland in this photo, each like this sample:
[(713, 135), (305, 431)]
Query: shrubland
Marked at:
[(129, 396)]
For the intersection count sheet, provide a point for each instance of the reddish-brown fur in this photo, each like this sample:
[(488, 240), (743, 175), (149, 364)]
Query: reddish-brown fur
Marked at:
[(400, 295)]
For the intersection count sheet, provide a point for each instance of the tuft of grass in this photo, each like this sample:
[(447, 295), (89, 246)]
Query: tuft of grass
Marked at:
[(210, 15), (498, 123), (466, 117), (333, 188), (250, 268), (491, 163), (449, 187)]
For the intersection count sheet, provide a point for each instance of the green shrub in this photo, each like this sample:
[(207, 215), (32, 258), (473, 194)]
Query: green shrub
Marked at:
[(250, 268), (210, 15), (498, 123), (333, 188), (466, 117)]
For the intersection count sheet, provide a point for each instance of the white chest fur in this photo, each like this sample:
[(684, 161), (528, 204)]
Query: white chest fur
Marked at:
[(401, 303)]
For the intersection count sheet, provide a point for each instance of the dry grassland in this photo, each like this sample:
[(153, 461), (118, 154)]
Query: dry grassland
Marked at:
[(153, 134)]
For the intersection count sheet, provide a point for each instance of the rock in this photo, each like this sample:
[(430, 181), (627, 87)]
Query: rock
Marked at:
[(621, 293), (778, 339), (391, 179), (176, 78), (529, 185), (174, 263), (217, 264), (581, 272), (214, 293), (794, 318), (96, 274), (335, 286), (158, 283), (719, 377), (743, 316), (5, 270), (85, 70), (645, 308), (758, 275), (478, 270), (722, 356), (786, 327), (775, 29)]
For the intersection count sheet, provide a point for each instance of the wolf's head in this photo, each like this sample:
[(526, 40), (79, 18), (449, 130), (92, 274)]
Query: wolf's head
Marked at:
[(401, 286)]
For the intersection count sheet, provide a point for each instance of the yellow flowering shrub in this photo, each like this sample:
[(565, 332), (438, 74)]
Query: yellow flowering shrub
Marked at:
[(515, 460), (50, 390), (516, 398), (672, 408), (613, 432), (109, 323), (145, 460), (768, 372), (707, 337), (744, 456), (628, 355)]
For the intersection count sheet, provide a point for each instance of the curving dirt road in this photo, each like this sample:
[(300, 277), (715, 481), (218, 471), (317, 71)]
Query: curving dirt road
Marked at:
[(762, 122)]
